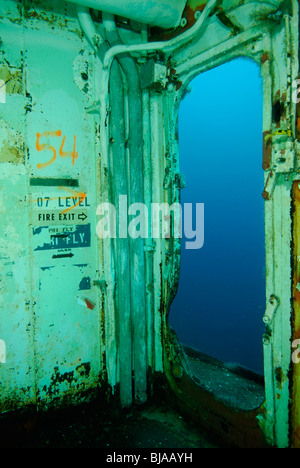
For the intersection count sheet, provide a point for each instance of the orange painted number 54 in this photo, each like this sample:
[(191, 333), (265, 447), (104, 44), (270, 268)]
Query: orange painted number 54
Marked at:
[(45, 147)]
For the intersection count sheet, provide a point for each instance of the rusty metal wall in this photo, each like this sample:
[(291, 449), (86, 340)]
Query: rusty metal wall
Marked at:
[(76, 310), (50, 261)]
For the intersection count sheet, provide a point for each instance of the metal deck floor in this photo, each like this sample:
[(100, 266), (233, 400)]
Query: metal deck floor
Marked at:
[(141, 427)]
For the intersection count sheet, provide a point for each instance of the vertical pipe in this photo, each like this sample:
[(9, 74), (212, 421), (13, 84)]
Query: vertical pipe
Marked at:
[(157, 148), (111, 345), (136, 245), (119, 188), (149, 246)]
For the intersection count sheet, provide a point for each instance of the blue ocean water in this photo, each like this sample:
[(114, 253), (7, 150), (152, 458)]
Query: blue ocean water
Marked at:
[(221, 296)]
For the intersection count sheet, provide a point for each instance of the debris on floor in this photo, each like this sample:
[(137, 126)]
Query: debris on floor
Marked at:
[(149, 426)]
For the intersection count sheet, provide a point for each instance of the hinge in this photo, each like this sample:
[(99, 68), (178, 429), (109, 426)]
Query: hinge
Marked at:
[(283, 151), (283, 158), (271, 308)]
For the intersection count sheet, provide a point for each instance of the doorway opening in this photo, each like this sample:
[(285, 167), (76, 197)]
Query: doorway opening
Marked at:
[(218, 310)]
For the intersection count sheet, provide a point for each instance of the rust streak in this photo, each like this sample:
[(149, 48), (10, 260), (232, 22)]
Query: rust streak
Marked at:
[(266, 150), (264, 58)]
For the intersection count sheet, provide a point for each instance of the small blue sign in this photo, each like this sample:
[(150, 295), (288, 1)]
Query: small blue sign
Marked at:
[(68, 238)]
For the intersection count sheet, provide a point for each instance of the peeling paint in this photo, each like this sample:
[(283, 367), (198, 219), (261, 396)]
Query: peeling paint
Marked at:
[(12, 147), (13, 79), (85, 283), (82, 71)]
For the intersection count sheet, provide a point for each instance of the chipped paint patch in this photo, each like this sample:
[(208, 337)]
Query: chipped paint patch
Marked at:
[(84, 369), (56, 379), (66, 382), (12, 147), (82, 72), (85, 302), (12, 78), (85, 283), (10, 244)]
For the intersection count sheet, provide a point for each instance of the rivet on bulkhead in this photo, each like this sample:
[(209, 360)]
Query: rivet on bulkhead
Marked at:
[(183, 22)]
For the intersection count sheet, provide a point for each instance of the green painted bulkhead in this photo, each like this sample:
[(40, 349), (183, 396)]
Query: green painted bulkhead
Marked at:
[(89, 103)]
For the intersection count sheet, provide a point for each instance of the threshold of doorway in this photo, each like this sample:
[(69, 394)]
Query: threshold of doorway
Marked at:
[(238, 387)]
